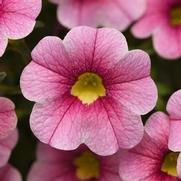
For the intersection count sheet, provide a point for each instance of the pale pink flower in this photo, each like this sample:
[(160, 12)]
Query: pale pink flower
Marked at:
[(151, 159), (17, 19), (174, 110), (77, 165), (162, 20), (111, 13), (89, 89)]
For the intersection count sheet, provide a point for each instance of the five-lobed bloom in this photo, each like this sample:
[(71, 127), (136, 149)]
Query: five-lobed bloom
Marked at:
[(89, 89), (17, 19), (110, 13)]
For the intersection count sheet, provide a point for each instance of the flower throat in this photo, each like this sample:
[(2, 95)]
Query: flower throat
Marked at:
[(175, 16), (169, 164), (88, 88)]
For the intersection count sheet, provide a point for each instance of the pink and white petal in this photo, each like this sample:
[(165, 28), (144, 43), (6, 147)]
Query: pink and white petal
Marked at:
[(50, 171), (51, 54), (157, 127), (8, 119), (20, 28), (147, 25), (110, 18), (6, 146), (137, 167), (30, 8), (82, 13), (134, 66), (134, 10), (15, 10), (67, 123), (163, 38), (138, 96), (174, 106), (94, 49), (174, 143), (3, 44), (35, 79), (9, 173), (179, 166)]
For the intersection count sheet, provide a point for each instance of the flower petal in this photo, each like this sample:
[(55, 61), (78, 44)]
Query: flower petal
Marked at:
[(6, 146), (173, 108), (157, 127), (143, 162), (66, 123), (174, 143), (130, 83), (9, 173), (49, 70), (16, 10), (138, 96), (8, 119), (146, 26), (127, 11), (163, 38), (36, 79), (94, 49)]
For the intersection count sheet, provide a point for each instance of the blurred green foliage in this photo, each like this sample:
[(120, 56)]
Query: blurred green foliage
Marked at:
[(165, 73)]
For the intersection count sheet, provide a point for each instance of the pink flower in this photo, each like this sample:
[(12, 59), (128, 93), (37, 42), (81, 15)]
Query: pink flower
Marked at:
[(89, 89), (77, 165), (174, 110), (162, 20), (9, 173), (8, 140), (17, 19), (151, 160), (8, 119), (112, 13), (6, 146)]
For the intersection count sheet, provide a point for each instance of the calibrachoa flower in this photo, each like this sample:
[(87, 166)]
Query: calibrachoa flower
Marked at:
[(151, 160), (17, 19), (77, 165), (174, 110), (111, 13), (89, 89), (162, 20)]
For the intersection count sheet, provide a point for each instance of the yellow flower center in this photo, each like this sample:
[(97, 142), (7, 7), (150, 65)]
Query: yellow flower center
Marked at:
[(88, 88), (176, 16), (88, 166), (169, 164)]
